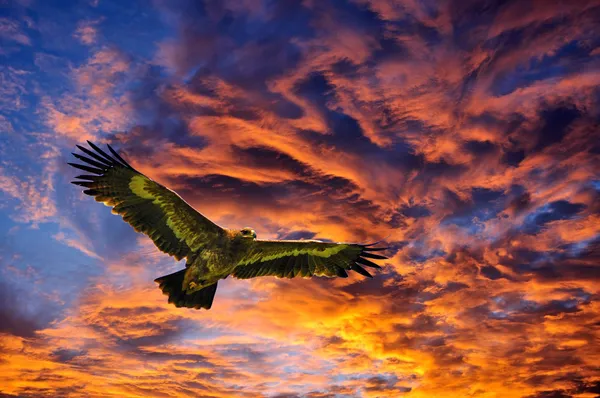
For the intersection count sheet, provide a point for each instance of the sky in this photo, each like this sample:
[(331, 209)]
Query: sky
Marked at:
[(465, 133)]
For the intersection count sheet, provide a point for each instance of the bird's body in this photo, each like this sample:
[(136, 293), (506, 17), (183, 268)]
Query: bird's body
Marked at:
[(211, 252)]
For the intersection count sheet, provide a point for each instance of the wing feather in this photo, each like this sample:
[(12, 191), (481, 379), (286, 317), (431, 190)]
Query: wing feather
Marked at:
[(305, 258), (93, 155), (174, 226)]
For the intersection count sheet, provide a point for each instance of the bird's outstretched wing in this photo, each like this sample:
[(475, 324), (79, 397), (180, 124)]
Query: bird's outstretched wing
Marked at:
[(290, 258), (173, 225)]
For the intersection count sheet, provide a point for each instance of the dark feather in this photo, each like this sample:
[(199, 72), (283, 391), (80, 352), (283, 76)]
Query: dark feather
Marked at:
[(118, 156), (341, 272), (312, 264), (86, 168), (285, 265), (360, 270), (375, 256), (87, 177), (101, 166), (92, 154), (86, 184), (101, 152), (364, 261), (253, 272), (374, 249), (289, 272), (304, 271), (171, 286)]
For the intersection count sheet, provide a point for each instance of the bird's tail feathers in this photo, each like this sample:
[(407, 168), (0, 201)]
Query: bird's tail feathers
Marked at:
[(171, 285)]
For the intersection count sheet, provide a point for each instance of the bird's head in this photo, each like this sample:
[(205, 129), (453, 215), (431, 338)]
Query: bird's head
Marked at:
[(248, 233)]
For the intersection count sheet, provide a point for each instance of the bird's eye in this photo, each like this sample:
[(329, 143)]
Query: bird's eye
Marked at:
[(247, 232)]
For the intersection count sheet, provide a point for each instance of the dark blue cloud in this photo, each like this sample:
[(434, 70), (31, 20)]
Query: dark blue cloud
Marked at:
[(481, 148), (421, 250), (415, 211), (269, 158), (345, 67), (316, 88), (211, 40), (298, 235), (485, 204), (553, 211), (513, 158), (491, 272), (468, 17), (569, 59), (556, 121), (22, 311), (66, 355)]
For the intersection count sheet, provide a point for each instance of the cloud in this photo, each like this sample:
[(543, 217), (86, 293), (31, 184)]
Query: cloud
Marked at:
[(13, 88), (95, 105), (87, 32), (76, 245), (14, 316), (558, 210), (464, 132), (33, 195), (11, 30)]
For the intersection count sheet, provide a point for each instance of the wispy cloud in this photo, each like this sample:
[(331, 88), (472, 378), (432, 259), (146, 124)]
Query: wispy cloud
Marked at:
[(12, 30), (87, 32), (33, 197)]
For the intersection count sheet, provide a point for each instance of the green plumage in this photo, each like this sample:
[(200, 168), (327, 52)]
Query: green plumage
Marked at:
[(211, 252)]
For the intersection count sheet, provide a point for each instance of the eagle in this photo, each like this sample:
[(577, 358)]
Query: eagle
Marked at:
[(211, 252)]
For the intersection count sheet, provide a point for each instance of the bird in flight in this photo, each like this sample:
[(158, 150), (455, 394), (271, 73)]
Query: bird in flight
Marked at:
[(211, 252)]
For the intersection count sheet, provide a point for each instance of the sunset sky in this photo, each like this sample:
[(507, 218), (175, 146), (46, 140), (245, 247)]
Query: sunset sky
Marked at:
[(465, 132)]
